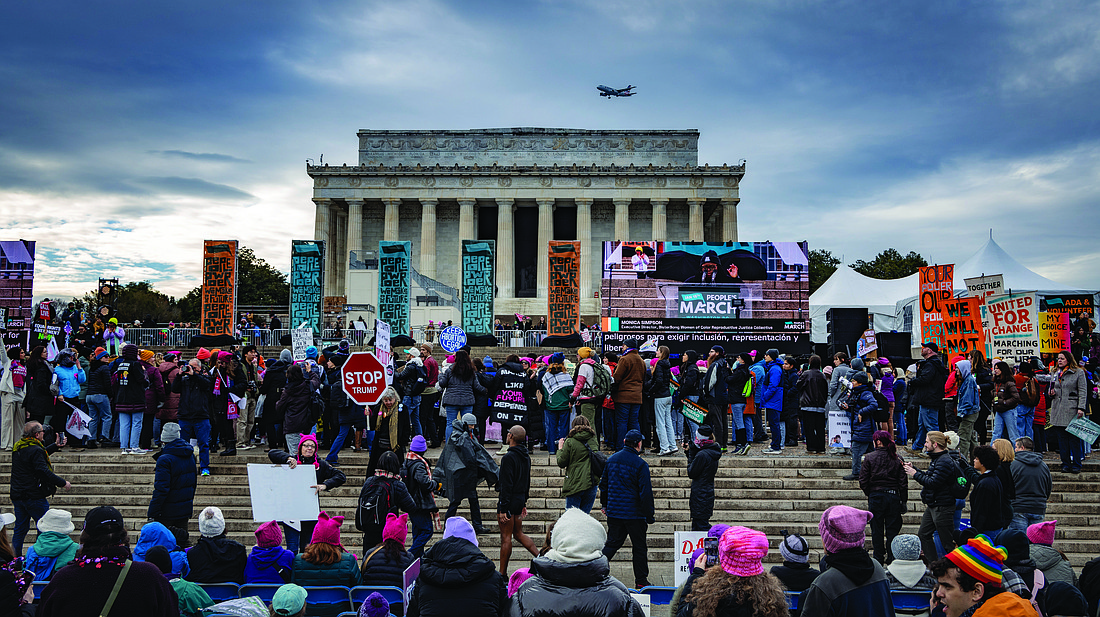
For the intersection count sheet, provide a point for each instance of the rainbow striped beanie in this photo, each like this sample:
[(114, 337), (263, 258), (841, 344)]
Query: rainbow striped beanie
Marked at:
[(980, 559)]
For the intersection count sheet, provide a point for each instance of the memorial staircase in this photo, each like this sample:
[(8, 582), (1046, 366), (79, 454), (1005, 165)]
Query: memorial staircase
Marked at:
[(772, 494)]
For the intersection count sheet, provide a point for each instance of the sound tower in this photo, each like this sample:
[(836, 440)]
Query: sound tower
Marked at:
[(845, 326)]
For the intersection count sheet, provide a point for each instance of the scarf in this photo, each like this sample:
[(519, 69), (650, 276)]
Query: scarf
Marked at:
[(385, 474), (27, 442), (231, 411), (413, 456), (113, 555)]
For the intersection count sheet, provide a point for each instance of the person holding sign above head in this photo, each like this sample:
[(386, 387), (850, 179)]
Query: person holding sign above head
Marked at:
[(328, 478)]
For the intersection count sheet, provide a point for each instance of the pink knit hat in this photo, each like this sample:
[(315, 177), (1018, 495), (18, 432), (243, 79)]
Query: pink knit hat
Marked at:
[(741, 551), (843, 527), (269, 534), (327, 530), (1041, 533), (396, 528), (518, 578)]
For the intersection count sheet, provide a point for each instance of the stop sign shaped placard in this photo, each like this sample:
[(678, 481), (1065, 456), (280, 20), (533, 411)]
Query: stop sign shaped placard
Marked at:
[(363, 378)]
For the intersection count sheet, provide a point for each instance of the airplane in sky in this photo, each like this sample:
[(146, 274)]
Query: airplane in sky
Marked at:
[(610, 92)]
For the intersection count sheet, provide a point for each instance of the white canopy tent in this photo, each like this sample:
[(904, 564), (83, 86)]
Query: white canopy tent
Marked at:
[(847, 288)]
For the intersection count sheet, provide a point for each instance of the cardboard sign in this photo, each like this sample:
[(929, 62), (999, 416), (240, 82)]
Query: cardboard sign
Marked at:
[(685, 544), (300, 338), (866, 343), (279, 493), (936, 287), (1054, 332), (219, 287), (563, 304), (1013, 325), (839, 430), (962, 326), (981, 287), (643, 601), (307, 281), (478, 258), (394, 284)]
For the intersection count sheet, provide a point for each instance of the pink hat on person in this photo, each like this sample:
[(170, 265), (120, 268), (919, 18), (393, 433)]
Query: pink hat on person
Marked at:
[(396, 528), (1041, 533), (269, 534), (843, 527), (327, 530), (741, 551), (518, 577), (203, 354), (224, 355)]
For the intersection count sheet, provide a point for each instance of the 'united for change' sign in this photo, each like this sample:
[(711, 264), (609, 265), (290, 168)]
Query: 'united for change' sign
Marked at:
[(696, 304)]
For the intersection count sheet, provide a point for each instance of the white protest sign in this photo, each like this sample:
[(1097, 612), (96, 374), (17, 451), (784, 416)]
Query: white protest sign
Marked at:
[(686, 543), (78, 423), (300, 338), (382, 349), (643, 600), (839, 432), (982, 287), (1013, 330), (280, 493)]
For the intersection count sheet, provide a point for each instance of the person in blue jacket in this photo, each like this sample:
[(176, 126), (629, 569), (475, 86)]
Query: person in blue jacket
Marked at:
[(269, 562), (771, 399), (69, 377), (156, 534), (861, 407), (174, 480)]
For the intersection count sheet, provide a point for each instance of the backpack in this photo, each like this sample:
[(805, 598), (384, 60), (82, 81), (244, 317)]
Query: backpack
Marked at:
[(40, 565), (882, 414), (961, 488), (597, 462), (600, 384), (374, 506), (420, 383), (1029, 394)]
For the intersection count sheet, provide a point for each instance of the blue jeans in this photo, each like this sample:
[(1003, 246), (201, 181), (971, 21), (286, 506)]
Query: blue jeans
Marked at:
[(899, 426), (1071, 449), (338, 443), (859, 448), (25, 510), (129, 429), (99, 408), (293, 536), (198, 430), (626, 419), (412, 403), (929, 421), (455, 412), (662, 413), (1004, 425), (556, 424), (1025, 416), (778, 428), (737, 413), (749, 425), (582, 500), (422, 531), (1021, 521)]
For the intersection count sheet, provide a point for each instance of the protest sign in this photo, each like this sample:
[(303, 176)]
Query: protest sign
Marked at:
[(1013, 325), (408, 579), (1054, 332), (1073, 305), (307, 258), (382, 341), (452, 338), (219, 287), (982, 287), (563, 308), (643, 601), (394, 284), (962, 326), (866, 343), (78, 424), (280, 493), (936, 286), (300, 338), (839, 431), (694, 411), (685, 544), (477, 285)]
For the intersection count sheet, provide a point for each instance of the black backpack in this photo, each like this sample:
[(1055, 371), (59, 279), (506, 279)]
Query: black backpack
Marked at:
[(374, 505), (418, 384), (882, 414), (597, 462)]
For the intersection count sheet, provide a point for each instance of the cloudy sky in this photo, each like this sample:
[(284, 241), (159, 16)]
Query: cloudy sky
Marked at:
[(130, 131)]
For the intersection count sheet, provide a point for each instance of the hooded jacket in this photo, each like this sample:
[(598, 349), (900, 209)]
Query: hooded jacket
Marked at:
[(272, 388), (417, 477), (1031, 477), (658, 384), (169, 372), (264, 563), (458, 391), (574, 459), (861, 411), (294, 404), (702, 466), (926, 388), (216, 560), (969, 395), (515, 480), (985, 503), (464, 462), (771, 395), (156, 534), (854, 584), (1054, 566), (51, 545), (584, 589), (381, 569), (715, 384), (690, 377), (174, 482), (910, 575), (457, 580), (130, 380)]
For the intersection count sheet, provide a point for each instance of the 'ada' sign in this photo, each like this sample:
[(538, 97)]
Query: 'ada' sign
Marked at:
[(363, 378)]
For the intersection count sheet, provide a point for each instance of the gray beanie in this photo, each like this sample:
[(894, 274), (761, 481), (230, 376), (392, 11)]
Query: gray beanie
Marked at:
[(857, 364), (469, 419), (169, 432), (772, 353), (795, 549), (906, 547), (861, 377)]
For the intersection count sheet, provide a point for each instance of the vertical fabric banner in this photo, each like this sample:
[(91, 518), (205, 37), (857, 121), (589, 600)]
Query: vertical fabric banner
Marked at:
[(936, 287), (1054, 332), (962, 326), (307, 258), (1013, 325), (563, 305), (477, 286), (219, 287), (394, 284)]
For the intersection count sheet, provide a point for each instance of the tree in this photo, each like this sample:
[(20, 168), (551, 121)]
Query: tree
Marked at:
[(822, 266), (890, 264), (191, 305), (258, 283)]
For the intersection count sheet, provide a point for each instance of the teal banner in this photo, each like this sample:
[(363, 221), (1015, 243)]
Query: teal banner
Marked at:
[(477, 286), (307, 258), (394, 285)]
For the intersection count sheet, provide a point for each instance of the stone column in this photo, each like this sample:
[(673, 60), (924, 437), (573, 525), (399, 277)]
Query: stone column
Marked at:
[(695, 220), (340, 254), (584, 235), (622, 219), (546, 234), (393, 217), (321, 233), (660, 209), (506, 262), (355, 232), (466, 219), (729, 219), (427, 237)]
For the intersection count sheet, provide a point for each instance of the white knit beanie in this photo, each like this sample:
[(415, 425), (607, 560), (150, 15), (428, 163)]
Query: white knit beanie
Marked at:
[(577, 537), (211, 522)]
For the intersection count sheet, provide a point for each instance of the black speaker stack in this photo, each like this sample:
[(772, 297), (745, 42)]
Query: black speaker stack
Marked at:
[(845, 326)]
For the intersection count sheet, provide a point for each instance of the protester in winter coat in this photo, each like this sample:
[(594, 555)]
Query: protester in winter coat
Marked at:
[(813, 396), (295, 404), (716, 394), (464, 462), (1006, 398), (13, 390), (626, 494), (459, 384), (387, 493), (1032, 483), (795, 572), (194, 388), (328, 478), (174, 480), (384, 419), (854, 584), (269, 562), (385, 563), (271, 422), (861, 407), (156, 534), (457, 579), (882, 478), (573, 578), (32, 480), (325, 562), (130, 380), (154, 398), (739, 585), (82, 588), (69, 379), (556, 387), (936, 482), (1068, 401), (416, 473), (736, 385), (53, 549), (169, 372), (230, 384), (907, 572), (626, 390), (215, 558), (579, 486), (771, 399), (926, 392), (38, 400), (658, 388), (584, 385), (702, 456), (347, 413), (1051, 561)]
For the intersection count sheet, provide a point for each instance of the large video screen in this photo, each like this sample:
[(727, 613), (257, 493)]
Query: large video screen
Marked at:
[(692, 295)]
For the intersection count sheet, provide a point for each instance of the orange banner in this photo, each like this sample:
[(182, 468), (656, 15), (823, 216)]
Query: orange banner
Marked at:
[(936, 287), (219, 287), (962, 327), (563, 306)]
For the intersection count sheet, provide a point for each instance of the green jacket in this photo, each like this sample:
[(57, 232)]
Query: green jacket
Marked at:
[(193, 598), (573, 458)]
